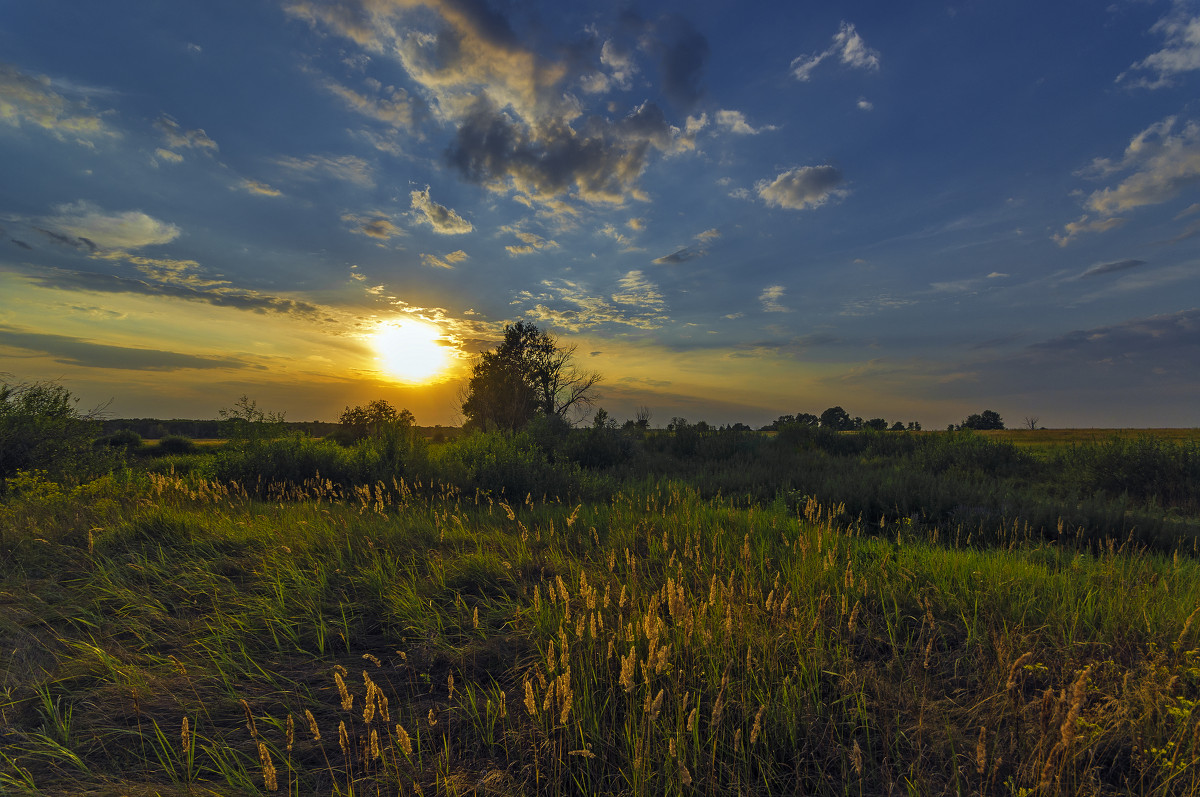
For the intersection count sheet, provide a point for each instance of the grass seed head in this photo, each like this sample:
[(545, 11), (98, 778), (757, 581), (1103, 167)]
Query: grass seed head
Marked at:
[(343, 738), (268, 768), (403, 740), (185, 734), (312, 725)]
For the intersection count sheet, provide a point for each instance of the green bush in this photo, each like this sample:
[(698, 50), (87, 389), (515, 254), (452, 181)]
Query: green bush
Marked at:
[(41, 428), (177, 444)]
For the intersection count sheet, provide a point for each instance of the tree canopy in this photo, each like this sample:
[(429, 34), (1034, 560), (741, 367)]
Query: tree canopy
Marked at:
[(529, 374), (988, 419)]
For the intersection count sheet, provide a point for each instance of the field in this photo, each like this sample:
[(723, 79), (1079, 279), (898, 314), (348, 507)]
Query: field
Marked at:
[(645, 626)]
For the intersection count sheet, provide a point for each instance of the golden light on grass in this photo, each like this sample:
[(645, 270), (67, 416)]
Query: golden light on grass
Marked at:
[(409, 350)]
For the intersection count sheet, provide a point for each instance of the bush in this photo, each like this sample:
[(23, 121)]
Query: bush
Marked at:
[(40, 428), (177, 444), (125, 439)]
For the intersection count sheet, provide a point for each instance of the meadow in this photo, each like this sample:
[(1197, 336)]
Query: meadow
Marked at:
[(589, 611)]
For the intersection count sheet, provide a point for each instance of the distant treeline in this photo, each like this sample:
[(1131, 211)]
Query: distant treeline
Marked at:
[(157, 428)]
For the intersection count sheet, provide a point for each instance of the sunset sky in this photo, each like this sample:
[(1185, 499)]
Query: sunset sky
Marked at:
[(734, 210)]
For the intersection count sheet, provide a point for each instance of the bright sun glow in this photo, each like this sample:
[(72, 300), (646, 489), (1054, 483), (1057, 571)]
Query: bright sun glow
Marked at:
[(410, 350)]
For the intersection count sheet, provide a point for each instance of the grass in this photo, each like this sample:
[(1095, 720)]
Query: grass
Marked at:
[(164, 634)]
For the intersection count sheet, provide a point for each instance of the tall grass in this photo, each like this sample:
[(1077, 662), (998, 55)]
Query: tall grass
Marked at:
[(173, 634)]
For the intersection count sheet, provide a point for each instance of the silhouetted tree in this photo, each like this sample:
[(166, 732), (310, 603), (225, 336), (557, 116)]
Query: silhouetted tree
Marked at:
[(984, 421), (372, 420), (837, 419), (878, 424), (527, 375)]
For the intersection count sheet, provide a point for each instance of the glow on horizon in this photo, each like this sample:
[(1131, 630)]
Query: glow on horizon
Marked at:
[(411, 351)]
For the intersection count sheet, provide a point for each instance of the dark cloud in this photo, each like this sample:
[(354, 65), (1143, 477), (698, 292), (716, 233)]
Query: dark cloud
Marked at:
[(21, 244), (75, 242), (64, 279), (599, 162), (682, 51), (1108, 268), (682, 256), (1166, 342), (76, 351)]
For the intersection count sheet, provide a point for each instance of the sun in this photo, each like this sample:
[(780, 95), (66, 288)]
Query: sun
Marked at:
[(410, 350)]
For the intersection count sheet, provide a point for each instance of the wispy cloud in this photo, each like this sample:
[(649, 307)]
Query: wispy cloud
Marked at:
[(572, 306), (349, 168), (735, 122), (770, 299), (636, 289), (1085, 224), (1162, 161), (392, 105), (530, 243), (445, 261), (1109, 268), (680, 256), (179, 138), (442, 219), (1180, 53), (847, 46), (74, 351), (34, 99), (256, 187), (374, 225)]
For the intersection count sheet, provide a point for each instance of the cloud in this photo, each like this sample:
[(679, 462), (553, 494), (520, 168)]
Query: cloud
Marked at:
[(445, 261), (88, 223), (77, 351), (219, 296), (395, 108), (635, 289), (770, 299), (1074, 229), (168, 156), (179, 138), (682, 52), (373, 225), (1162, 163), (735, 122), (517, 126), (571, 306), (847, 46), (708, 235), (530, 243), (1109, 268), (801, 188), (1180, 53), (865, 105), (598, 163), (256, 187), (681, 256), (34, 100), (442, 219), (1171, 339), (350, 168)]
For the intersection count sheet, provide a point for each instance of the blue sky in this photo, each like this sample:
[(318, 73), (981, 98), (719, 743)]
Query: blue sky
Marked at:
[(914, 211)]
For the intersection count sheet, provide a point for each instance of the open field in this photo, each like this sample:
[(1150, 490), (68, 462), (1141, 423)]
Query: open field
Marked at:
[(1038, 438), (661, 629)]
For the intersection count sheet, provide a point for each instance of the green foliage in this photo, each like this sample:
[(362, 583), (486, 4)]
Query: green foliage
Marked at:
[(246, 421), (985, 421), (377, 419), (123, 439), (41, 428), (177, 445), (529, 374)]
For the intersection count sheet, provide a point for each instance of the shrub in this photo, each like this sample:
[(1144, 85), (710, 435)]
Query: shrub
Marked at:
[(40, 428), (177, 444)]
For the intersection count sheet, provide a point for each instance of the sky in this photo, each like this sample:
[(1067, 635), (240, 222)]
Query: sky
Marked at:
[(914, 211)]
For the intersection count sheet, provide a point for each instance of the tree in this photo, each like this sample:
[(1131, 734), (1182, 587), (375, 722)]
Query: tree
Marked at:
[(529, 374), (245, 421), (878, 424), (41, 428), (372, 420), (1031, 422), (984, 421), (837, 419)]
